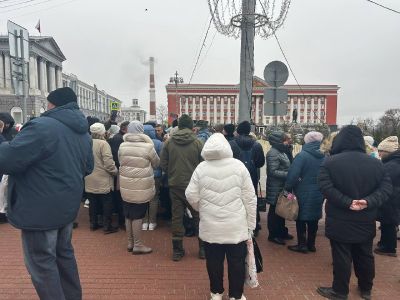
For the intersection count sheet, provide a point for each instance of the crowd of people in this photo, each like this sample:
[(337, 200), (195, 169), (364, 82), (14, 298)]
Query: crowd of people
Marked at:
[(206, 180)]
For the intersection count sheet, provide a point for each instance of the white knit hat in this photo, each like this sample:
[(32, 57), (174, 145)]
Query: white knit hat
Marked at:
[(369, 139), (135, 127), (390, 144), (114, 129), (313, 136), (98, 128)]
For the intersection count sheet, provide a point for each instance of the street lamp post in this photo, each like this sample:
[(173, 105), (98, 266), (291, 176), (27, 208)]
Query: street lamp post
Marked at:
[(176, 80)]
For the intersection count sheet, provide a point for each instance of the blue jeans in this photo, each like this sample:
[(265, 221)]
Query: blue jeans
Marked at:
[(49, 258)]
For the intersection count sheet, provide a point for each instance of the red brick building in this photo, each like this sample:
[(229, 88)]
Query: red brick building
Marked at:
[(219, 103)]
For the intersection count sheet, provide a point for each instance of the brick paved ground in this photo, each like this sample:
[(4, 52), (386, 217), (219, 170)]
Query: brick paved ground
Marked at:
[(108, 271)]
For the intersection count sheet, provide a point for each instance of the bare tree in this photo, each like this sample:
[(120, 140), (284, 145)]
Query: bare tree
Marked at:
[(389, 124), (162, 114)]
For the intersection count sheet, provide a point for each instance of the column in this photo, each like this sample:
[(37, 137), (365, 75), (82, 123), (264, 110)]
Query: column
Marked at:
[(208, 111), (319, 110), (312, 117), (201, 108), (236, 109), (52, 77), (42, 75), (291, 103), (222, 110), (215, 110), (229, 111), (187, 105), (32, 74), (7, 69), (257, 118), (58, 77), (2, 75)]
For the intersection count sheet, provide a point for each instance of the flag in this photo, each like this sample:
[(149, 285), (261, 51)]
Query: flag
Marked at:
[(38, 27)]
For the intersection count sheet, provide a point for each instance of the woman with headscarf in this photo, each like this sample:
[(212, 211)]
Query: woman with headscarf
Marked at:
[(302, 179), (100, 183), (137, 158)]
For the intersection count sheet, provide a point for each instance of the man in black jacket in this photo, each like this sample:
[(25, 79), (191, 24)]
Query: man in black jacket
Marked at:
[(355, 186), (388, 214), (243, 146), (115, 142)]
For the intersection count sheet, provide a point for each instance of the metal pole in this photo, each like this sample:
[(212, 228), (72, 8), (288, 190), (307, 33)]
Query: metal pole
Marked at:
[(24, 90), (246, 59)]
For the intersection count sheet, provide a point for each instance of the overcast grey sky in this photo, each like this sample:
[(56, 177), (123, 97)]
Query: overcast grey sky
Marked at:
[(351, 43)]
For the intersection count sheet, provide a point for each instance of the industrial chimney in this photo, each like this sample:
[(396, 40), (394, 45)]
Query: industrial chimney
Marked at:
[(152, 91)]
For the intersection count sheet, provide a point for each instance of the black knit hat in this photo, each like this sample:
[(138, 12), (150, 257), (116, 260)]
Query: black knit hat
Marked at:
[(185, 122), (62, 96), (229, 129), (202, 124), (244, 128)]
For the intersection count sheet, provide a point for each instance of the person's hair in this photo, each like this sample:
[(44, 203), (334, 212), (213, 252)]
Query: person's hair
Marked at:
[(159, 125), (97, 136), (175, 123), (124, 124)]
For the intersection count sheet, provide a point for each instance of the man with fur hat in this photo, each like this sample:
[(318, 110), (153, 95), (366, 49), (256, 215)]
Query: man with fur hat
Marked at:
[(354, 185), (389, 212), (179, 158), (46, 163)]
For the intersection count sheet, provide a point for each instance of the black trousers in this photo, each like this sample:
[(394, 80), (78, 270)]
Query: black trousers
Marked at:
[(343, 255), (97, 200), (276, 224), (236, 256), (117, 206), (306, 232), (389, 237)]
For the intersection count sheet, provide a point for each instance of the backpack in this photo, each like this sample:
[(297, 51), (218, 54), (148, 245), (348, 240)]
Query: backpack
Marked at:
[(246, 157)]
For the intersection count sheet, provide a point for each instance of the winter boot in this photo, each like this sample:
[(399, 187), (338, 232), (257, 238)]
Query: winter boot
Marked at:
[(138, 246), (311, 236), (178, 251), (301, 243), (129, 233), (242, 298), (202, 253)]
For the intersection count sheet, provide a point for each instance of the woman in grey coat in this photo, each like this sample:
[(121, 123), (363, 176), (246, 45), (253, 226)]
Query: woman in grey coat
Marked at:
[(277, 169)]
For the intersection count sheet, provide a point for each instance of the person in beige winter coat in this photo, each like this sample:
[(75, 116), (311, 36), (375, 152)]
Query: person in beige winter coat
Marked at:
[(100, 183), (137, 158)]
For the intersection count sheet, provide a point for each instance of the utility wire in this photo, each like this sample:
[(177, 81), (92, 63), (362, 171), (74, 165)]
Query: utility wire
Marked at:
[(22, 7), (201, 49), (290, 67), (383, 6), (18, 3), (45, 9)]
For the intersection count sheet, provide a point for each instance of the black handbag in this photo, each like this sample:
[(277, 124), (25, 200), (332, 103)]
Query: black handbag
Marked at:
[(258, 257), (261, 201)]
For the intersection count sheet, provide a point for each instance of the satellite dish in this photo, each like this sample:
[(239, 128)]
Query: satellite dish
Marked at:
[(276, 73)]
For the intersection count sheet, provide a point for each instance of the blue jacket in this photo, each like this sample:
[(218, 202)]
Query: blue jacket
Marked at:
[(203, 135), (303, 180), (150, 132), (47, 162)]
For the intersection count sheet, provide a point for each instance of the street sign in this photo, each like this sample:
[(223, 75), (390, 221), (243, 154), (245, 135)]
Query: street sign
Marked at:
[(18, 38), (114, 106), (275, 95), (276, 73), (280, 107)]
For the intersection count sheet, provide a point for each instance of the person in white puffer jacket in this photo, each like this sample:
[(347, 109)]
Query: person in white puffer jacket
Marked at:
[(222, 191)]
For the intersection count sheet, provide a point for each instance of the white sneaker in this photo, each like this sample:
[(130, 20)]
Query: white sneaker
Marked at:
[(152, 226), (216, 296), (243, 298), (145, 226), (86, 205)]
